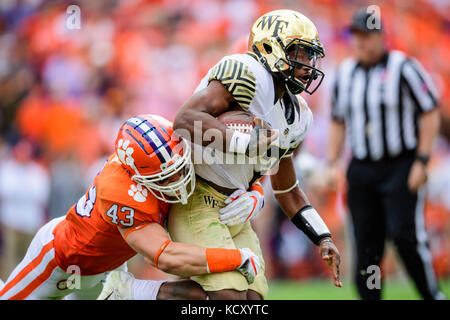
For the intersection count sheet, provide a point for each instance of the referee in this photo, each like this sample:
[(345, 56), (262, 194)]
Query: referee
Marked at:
[(387, 105)]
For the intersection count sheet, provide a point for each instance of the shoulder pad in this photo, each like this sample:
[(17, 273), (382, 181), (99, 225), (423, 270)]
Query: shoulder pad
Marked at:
[(114, 184), (237, 78)]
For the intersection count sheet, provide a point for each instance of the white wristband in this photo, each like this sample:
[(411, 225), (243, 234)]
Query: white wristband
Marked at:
[(239, 142)]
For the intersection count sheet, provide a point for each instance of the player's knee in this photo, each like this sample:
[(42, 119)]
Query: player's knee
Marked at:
[(197, 292), (181, 290), (227, 294), (253, 295)]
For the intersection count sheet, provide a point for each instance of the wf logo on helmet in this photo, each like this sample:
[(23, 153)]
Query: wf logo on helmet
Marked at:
[(269, 21)]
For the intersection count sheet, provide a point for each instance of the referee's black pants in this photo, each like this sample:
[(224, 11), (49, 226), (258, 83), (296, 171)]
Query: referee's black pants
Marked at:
[(382, 207)]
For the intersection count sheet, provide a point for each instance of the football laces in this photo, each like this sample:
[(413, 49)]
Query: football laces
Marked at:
[(241, 127)]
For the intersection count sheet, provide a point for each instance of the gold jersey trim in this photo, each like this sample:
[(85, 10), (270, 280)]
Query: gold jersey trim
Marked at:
[(238, 79)]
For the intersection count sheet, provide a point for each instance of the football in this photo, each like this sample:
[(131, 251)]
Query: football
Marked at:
[(237, 120), (241, 121)]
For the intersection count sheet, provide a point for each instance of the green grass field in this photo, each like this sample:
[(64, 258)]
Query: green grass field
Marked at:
[(324, 290)]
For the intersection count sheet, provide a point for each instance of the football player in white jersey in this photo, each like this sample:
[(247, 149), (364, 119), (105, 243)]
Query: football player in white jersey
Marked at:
[(282, 62)]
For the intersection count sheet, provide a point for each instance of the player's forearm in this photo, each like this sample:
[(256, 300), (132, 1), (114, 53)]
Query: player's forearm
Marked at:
[(171, 257), (429, 128), (151, 241), (189, 260), (336, 141), (285, 186), (295, 204), (183, 260), (291, 202)]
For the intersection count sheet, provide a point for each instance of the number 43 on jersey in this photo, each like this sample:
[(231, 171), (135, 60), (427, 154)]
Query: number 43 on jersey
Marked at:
[(86, 203)]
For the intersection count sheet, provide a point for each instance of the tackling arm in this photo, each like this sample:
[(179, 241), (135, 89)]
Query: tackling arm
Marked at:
[(152, 241), (177, 258)]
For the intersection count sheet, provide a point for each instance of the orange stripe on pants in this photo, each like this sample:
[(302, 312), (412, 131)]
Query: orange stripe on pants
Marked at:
[(33, 264), (25, 292)]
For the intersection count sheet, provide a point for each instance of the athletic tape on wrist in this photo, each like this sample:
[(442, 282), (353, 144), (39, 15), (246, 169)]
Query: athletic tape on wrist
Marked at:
[(239, 142)]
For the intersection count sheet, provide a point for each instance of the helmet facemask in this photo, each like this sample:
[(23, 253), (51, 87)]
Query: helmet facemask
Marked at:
[(177, 191), (299, 54)]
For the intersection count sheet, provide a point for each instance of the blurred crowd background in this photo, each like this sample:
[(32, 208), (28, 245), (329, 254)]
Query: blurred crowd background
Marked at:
[(65, 92)]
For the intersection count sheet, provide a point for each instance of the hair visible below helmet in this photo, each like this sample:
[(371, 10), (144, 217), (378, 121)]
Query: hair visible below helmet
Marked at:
[(147, 148), (275, 34)]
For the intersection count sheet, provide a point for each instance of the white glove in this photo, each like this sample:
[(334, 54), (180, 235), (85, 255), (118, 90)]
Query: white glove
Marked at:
[(250, 265), (241, 207)]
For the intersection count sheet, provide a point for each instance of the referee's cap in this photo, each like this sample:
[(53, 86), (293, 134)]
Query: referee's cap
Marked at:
[(367, 19)]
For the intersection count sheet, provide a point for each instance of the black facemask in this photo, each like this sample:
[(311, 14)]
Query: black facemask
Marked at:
[(301, 50)]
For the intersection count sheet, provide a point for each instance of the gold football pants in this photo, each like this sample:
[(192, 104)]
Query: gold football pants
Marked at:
[(197, 223)]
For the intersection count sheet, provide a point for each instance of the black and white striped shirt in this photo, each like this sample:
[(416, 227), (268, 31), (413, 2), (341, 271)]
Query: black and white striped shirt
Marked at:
[(380, 105)]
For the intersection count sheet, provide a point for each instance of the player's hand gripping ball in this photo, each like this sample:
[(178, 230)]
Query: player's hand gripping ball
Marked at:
[(260, 134)]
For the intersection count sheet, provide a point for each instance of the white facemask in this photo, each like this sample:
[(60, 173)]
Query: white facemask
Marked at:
[(175, 192)]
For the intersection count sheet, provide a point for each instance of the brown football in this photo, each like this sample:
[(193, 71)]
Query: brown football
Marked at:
[(241, 121), (237, 120)]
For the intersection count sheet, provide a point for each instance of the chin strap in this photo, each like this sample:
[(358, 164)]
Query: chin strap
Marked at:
[(261, 58)]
